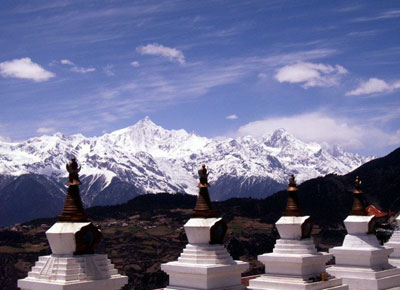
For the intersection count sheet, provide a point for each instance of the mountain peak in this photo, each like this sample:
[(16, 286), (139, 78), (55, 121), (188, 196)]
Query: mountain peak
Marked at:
[(144, 126), (280, 132), (280, 137), (146, 122)]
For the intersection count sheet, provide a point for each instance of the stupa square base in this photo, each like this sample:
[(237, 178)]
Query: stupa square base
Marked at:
[(295, 258), (375, 258), (362, 278), (205, 276), (304, 265), (276, 282)]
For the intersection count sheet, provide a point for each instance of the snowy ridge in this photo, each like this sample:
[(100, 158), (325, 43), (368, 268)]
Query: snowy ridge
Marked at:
[(154, 159)]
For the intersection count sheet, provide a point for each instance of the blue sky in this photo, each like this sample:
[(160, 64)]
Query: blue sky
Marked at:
[(326, 71)]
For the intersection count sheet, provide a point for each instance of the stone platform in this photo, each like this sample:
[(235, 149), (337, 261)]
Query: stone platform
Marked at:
[(359, 278), (68, 272), (294, 283)]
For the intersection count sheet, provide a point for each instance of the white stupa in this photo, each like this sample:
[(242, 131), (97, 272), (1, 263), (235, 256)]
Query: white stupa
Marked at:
[(73, 239), (361, 261), (295, 263), (205, 262)]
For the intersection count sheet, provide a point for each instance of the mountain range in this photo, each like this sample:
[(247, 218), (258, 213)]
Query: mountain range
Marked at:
[(146, 158)]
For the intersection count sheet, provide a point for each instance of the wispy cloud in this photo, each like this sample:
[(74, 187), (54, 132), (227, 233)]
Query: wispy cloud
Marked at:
[(383, 15), (77, 69), (149, 91), (310, 74), (24, 68), (364, 33), (262, 76), (278, 59), (233, 30), (374, 86), (232, 117), (4, 139), (45, 130), (157, 87), (37, 7), (135, 63), (66, 62), (153, 88), (109, 70), (83, 70), (171, 53), (386, 113), (387, 55), (348, 8)]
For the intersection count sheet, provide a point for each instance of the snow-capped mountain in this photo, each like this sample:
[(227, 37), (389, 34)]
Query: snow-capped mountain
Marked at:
[(145, 158)]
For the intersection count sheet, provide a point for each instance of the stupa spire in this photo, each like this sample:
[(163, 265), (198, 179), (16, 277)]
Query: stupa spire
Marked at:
[(292, 205), (203, 206), (358, 203), (73, 209)]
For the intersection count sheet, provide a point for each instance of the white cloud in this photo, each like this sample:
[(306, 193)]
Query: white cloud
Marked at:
[(322, 128), (24, 68), (373, 86), (232, 117), (310, 74), (171, 53), (82, 70), (66, 62), (135, 63), (45, 130)]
